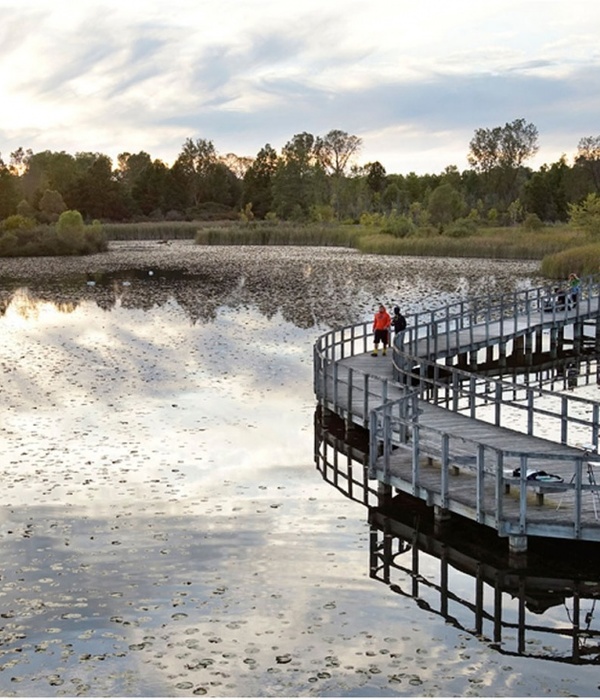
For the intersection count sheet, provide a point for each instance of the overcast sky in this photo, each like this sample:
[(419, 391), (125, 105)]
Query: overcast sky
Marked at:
[(412, 79)]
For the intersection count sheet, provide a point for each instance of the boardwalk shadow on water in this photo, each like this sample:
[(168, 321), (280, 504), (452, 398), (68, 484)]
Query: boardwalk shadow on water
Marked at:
[(544, 607)]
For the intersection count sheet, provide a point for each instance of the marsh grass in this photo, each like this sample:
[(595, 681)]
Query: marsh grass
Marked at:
[(517, 242), (585, 260), (512, 243), (152, 230), (494, 243), (267, 233)]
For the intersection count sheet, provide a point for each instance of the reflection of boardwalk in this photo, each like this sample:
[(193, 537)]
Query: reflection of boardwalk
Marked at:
[(541, 608), (445, 433)]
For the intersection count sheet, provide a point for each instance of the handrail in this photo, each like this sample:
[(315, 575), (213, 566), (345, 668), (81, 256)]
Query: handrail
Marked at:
[(456, 389), (350, 340), (397, 423)]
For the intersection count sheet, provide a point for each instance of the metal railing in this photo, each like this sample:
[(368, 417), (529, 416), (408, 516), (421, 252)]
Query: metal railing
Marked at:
[(396, 424), (391, 408)]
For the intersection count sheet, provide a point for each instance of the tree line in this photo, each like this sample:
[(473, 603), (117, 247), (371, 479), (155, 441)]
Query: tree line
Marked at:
[(312, 178)]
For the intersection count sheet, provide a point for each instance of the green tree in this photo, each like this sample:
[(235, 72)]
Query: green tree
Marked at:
[(97, 193), (335, 150), (499, 154), (446, 204), (152, 189), (9, 196), (588, 159), (376, 177), (545, 192), (586, 216), (70, 229), (299, 182), (193, 169), (51, 206), (506, 147), (258, 182)]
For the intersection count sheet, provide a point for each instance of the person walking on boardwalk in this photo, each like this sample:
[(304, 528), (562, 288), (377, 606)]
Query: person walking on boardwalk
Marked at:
[(381, 329)]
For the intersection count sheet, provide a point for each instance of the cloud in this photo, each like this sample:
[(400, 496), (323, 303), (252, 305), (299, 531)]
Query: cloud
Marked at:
[(107, 76)]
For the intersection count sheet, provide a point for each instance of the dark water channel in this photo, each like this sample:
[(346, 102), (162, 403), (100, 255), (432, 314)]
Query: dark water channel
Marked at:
[(164, 529)]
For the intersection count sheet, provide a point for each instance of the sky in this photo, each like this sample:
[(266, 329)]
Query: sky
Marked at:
[(413, 80)]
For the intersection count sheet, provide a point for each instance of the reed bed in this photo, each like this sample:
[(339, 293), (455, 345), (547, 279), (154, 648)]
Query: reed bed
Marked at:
[(494, 243), (565, 248), (281, 234), (585, 260), (151, 230)]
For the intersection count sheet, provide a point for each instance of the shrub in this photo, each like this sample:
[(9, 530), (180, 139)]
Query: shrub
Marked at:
[(17, 222), (586, 216), (462, 228), (398, 226), (533, 222), (70, 230)]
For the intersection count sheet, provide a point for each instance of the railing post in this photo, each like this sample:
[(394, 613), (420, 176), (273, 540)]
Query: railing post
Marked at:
[(455, 384), (530, 411), (498, 404), (499, 489), (387, 441), (564, 418), (523, 495), (577, 513), (415, 458), (445, 468), (335, 385), (480, 484), (365, 396), (373, 444), (350, 392)]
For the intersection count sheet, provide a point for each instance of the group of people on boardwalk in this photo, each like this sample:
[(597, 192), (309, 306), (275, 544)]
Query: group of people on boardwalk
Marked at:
[(382, 325), (564, 298)]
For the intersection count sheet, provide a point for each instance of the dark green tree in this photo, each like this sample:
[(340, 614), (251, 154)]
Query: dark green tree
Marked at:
[(499, 154), (588, 160), (9, 194), (97, 193), (545, 192), (299, 182), (258, 182), (446, 204), (193, 169)]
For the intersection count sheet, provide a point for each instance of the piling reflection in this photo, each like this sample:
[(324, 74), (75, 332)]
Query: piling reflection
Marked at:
[(542, 607)]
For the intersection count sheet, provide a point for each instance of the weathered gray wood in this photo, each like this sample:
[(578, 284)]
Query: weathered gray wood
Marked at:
[(455, 460)]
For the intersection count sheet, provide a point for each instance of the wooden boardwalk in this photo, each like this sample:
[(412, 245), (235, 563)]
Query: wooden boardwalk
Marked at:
[(453, 438)]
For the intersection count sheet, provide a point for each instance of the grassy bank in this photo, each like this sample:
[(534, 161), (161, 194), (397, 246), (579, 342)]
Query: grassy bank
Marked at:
[(495, 243), (584, 260)]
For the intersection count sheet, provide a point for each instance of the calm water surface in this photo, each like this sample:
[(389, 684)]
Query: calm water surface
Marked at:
[(164, 529)]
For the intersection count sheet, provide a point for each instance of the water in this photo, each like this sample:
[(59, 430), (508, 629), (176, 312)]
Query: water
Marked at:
[(164, 529)]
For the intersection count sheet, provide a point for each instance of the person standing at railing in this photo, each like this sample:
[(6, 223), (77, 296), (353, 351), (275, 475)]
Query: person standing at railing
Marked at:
[(398, 321), (381, 329), (574, 287)]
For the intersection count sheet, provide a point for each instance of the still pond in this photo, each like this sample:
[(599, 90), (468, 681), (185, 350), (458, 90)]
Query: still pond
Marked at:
[(164, 530)]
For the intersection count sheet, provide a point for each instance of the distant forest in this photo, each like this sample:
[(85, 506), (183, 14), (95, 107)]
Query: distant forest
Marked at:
[(313, 178)]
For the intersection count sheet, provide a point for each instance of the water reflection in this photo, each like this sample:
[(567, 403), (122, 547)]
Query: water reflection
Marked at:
[(308, 287), (544, 608)]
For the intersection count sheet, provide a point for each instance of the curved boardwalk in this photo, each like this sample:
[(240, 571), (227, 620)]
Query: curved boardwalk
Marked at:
[(445, 429)]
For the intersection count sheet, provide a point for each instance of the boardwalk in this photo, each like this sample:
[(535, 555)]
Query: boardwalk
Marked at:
[(452, 436)]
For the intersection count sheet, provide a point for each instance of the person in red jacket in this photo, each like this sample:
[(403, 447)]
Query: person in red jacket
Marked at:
[(381, 329)]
